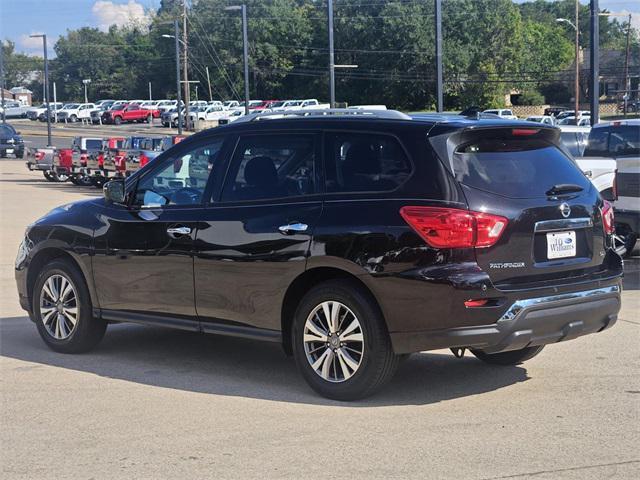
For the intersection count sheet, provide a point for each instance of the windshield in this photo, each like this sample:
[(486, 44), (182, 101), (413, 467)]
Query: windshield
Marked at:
[(71, 106), (6, 130)]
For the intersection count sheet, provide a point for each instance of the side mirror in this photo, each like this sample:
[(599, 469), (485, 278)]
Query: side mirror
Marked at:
[(114, 191)]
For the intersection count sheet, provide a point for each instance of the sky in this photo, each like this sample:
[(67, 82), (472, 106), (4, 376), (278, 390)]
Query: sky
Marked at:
[(20, 18)]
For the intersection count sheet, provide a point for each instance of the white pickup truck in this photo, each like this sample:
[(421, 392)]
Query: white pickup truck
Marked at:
[(600, 170), (620, 141)]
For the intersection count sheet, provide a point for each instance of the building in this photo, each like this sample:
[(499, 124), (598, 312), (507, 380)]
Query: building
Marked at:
[(21, 94)]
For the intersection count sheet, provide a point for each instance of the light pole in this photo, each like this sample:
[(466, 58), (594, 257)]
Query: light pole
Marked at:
[(4, 120), (627, 79), (332, 66), (439, 79), (46, 81), (86, 82), (577, 70), (245, 52), (177, 42)]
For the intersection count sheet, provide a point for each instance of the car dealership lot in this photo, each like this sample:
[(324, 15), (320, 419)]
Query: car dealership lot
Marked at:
[(152, 403)]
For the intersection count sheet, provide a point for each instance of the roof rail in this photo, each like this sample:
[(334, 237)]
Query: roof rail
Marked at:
[(332, 112)]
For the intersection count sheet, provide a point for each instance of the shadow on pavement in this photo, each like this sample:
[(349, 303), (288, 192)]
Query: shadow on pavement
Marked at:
[(228, 366)]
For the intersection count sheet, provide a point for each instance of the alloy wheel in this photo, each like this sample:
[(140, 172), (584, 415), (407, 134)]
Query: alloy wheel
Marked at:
[(59, 306), (333, 341)]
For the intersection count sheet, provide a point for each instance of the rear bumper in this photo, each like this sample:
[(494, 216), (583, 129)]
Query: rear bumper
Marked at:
[(528, 322), (630, 218)]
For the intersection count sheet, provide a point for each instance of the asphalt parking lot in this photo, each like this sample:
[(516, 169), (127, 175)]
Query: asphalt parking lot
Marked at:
[(155, 403)]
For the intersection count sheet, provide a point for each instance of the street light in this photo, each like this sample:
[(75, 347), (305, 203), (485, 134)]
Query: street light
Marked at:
[(86, 82), (46, 82), (177, 42), (577, 72), (245, 52)]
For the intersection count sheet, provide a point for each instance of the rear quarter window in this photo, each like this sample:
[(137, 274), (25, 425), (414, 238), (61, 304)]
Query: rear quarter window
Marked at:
[(514, 167)]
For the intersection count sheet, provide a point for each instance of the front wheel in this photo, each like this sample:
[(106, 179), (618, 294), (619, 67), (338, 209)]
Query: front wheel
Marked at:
[(514, 357), (73, 118), (340, 342), (117, 120), (62, 309)]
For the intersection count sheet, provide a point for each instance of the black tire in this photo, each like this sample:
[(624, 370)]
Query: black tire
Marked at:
[(378, 362), (50, 178), (73, 118), (19, 154), (117, 120), (88, 331), (84, 181), (3, 154), (514, 357)]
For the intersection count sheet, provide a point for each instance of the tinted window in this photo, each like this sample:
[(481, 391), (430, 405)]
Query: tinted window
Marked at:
[(94, 144), (624, 140), (516, 168), (364, 163), (271, 166), (181, 180)]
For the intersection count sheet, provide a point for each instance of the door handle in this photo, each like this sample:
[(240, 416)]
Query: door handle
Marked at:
[(293, 228), (178, 231)]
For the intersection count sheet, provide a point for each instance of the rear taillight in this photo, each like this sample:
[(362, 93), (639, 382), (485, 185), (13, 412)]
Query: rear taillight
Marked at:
[(101, 160), (143, 160), (454, 228), (39, 156), (607, 218), (83, 159)]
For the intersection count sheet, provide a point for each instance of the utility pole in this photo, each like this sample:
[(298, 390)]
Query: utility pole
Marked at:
[(4, 120), (185, 73), (577, 84), (627, 80), (46, 81), (176, 35), (209, 83), (332, 65), (594, 80), (245, 54), (439, 80), (150, 97)]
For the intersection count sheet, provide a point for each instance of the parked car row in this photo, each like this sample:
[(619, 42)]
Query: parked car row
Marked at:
[(95, 160)]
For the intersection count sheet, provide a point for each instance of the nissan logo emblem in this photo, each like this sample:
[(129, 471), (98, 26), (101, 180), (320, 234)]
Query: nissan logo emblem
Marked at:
[(565, 209)]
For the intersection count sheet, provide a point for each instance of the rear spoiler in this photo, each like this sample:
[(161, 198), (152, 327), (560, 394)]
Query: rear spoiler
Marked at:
[(445, 139)]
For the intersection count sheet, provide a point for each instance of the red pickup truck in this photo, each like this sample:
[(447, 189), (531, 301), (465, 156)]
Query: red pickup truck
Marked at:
[(129, 113)]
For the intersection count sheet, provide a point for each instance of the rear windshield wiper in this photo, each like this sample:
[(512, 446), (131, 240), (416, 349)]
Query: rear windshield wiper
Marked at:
[(564, 188)]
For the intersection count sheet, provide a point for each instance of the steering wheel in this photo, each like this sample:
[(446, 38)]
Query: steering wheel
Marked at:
[(187, 196)]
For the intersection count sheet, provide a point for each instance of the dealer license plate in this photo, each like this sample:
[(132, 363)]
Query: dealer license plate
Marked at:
[(561, 245)]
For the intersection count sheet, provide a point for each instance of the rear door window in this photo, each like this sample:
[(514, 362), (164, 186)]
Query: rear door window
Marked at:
[(362, 162), (598, 142), (515, 167)]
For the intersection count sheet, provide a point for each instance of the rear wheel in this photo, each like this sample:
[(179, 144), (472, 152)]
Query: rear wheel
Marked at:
[(49, 176), (84, 181), (63, 311), (513, 357), (340, 342), (624, 240), (60, 177)]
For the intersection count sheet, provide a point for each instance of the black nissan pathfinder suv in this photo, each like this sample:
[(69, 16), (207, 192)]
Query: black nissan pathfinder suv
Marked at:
[(352, 238)]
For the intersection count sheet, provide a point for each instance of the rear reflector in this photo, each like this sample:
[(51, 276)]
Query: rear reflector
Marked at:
[(454, 228), (607, 218), (524, 132), (476, 303)]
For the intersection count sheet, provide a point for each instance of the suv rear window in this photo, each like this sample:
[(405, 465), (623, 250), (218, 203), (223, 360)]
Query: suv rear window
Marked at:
[(515, 167), (363, 162)]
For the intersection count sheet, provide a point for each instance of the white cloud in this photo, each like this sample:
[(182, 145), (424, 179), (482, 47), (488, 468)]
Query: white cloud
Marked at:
[(31, 44), (109, 13)]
